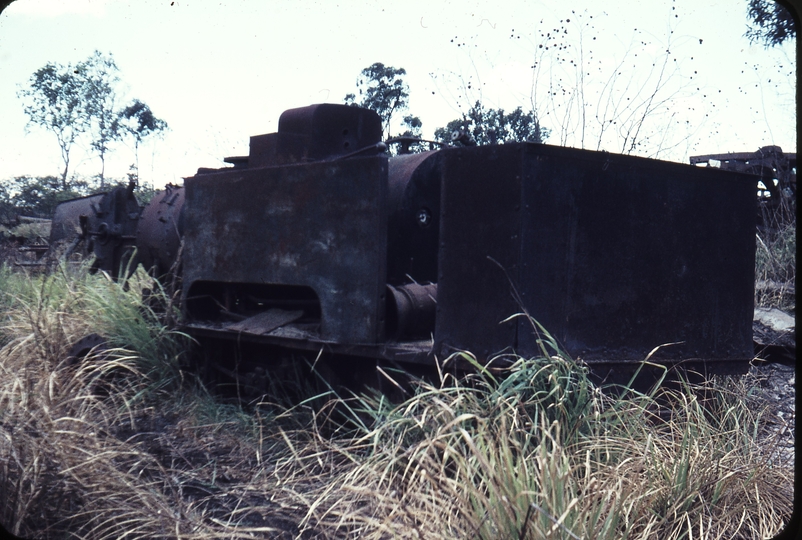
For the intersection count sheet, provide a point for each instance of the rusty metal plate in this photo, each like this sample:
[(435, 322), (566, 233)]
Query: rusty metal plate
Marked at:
[(316, 132), (613, 255), (413, 218), (621, 254), (320, 226), (479, 243), (112, 227), (266, 321)]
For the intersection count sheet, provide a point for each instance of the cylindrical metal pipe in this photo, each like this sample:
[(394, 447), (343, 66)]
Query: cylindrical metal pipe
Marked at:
[(411, 311)]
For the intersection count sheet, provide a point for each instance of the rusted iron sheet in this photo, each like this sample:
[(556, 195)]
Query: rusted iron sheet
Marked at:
[(411, 311), (112, 228), (613, 255), (479, 241), (265, 322), (316, 132), (624, 254), (746, 158), (294, 336), (769, 163), (321, 226)]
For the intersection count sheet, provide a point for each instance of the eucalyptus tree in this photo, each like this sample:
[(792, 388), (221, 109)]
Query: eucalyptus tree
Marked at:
[(770, 23), (138, 122), (83, 100), (100, 96), (382, 89), (55, 100)]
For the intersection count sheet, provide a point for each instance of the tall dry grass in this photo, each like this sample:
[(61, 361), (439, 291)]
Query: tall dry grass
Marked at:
[(548, 456), (127, 444), (90, 449), (775, 259)]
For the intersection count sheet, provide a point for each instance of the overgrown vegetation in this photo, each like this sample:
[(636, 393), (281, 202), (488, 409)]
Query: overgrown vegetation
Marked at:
[(125, 442), (775, 258)]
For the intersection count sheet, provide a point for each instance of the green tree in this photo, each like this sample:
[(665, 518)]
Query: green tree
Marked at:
[(139, 122), (482, 126), (413, 125), (38, 196), (100, 101), (770, 23), (55, 100), (410, 139), (7, 210), (382, 89), (75, 100)]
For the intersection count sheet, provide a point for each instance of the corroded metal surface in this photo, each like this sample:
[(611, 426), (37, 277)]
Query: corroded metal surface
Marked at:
[(159, 232), (775, 168), (112, 229), (319, 227), (66, 219), (479, 241), (316, 132), (413, 218), (613, 255), (105, 224), (411, 311), (265, 321)]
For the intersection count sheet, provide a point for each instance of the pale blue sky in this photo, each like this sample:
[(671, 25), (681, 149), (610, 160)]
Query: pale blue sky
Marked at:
[(219, 72)]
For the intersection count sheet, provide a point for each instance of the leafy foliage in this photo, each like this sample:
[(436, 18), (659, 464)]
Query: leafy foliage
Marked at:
[(73, 100), (382, 89), (771, 23), (413, 125), (102, 76), (55, 101), (138, 122), (492, 126), (37, 196)]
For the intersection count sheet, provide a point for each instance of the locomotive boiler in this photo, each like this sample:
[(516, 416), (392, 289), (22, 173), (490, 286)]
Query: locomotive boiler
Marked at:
[(319, 240)]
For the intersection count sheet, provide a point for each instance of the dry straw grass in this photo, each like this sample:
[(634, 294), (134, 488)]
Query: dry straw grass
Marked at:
[(491, 460), (125, 444), (775, 259)]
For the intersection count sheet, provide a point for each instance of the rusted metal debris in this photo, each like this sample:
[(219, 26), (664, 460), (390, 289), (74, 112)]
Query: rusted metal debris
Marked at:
[(265, 321), (776, 169)]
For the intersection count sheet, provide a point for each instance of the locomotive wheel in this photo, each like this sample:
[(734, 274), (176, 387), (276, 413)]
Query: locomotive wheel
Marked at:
[(93, 348), (91, 343)]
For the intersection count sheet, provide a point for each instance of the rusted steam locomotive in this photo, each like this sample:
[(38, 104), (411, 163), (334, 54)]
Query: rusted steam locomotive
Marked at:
[(319, 240)]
